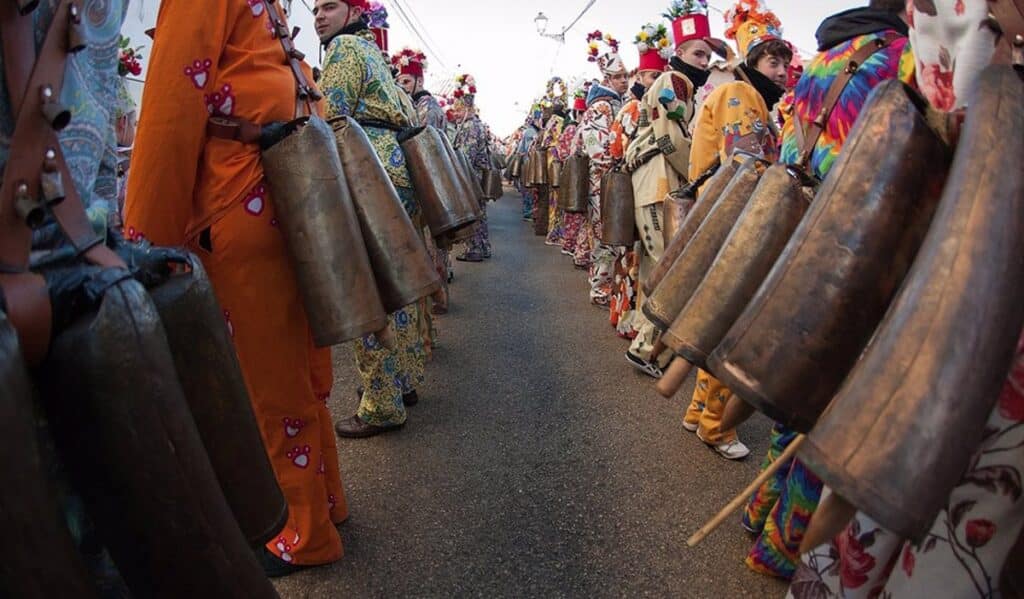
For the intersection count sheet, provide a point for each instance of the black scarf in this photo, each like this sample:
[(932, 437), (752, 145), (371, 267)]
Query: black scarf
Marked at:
[(849, 24), (698, 77), (638, 90), (420, 94), (769, 90), (350, 29)]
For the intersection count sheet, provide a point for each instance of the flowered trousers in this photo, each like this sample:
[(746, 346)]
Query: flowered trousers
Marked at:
[(480, 243), (572, 222), (555, 221)]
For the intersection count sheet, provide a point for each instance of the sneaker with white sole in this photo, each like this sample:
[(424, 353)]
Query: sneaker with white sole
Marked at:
[(690, 427), (731, 450), (649, 368)]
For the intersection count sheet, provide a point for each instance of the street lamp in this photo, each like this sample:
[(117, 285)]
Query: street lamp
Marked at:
[(541, 20)]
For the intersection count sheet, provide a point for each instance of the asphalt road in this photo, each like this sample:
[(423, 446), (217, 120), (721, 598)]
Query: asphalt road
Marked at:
[(537, 463)]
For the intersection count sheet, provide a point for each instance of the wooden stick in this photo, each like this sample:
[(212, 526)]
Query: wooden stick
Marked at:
[(674, 377), (742, 497), (736, 413)]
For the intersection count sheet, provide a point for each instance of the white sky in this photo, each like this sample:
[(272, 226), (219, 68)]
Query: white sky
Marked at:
[(497, 41)]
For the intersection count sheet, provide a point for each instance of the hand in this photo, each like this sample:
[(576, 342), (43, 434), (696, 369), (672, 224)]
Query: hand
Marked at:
[(149, 264), (77, 290)]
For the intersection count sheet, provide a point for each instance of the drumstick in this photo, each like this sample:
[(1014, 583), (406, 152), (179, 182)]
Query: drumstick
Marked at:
[(674, 377), (744, 495)]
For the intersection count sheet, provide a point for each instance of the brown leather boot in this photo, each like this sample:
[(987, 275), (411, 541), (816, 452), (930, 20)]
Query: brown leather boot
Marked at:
[(353, 427)]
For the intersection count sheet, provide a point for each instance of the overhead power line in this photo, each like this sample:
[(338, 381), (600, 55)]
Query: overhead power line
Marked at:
[(412, 27)]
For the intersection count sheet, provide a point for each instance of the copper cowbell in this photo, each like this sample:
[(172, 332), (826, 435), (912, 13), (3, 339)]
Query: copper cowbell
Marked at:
[(212, 382), (44, 561), (900, 433), (401, 265), (516, 168), (793, 345), (321, 230), (493, 189), (676, 243), (574, 194), (687, 271), (437, 186), (755, 242), (555, 173), (538, 168), (123, 427), (467, 197), (618, 209), (474, 177)]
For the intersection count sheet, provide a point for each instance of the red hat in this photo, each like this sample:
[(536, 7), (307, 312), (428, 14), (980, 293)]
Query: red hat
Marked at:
[(363, 4), (690, 27), (410, 62), (380, 35), (654, 47)]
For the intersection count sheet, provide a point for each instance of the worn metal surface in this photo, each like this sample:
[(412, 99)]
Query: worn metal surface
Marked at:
[(434, 179), (689, 268), (901, 431), (212, 382), (759, 236), (402, 268), (322, 233), (125, 431), (44, 561), (574, 192), (618, 209)]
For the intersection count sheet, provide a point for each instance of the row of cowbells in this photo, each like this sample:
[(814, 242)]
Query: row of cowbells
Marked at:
[(877, 312), (356, 252), (151, 418)]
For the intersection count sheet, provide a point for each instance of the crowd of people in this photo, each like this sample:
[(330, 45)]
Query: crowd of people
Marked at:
[(222, 94), (693, 103)]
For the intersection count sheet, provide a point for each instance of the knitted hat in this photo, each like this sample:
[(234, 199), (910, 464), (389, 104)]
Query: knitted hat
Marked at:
[(610, 62), (410, 62), (654, 47), (751, 24)]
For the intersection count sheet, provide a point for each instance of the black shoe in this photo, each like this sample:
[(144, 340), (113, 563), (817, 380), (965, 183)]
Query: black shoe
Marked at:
[(275, 567)]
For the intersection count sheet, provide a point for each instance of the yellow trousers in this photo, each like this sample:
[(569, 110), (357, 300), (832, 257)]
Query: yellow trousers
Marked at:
[(706, 409)]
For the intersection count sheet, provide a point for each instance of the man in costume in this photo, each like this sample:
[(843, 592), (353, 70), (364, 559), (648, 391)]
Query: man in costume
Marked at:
[(190, 188), (472, 139), (411, 66), (737, 116), (974, 541), (594, 138), (357, 82), (659, 168), (556, 97), (572, 222), (531, 131), (779, 511)]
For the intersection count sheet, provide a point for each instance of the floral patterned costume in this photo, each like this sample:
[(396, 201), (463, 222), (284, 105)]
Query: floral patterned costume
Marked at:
[(594, 138), (357, 82), (568, 227), (472, 139), (549, 141), (622, 304), (429, 112)]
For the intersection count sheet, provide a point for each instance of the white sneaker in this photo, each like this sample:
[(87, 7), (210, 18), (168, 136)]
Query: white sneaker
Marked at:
[(733, 450), (649, 368), (691, 427)]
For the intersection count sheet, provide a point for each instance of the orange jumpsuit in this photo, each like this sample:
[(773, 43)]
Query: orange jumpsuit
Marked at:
[(217, 57)]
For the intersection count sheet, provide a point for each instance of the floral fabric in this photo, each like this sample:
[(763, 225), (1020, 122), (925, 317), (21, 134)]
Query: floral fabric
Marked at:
[(472, 139)]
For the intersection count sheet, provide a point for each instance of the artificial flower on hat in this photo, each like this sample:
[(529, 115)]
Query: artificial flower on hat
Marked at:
[(557, 92), (689, 20), (375, 16), (410, 62), (654, 47), (465, 90), (609, 62), (751, 24)]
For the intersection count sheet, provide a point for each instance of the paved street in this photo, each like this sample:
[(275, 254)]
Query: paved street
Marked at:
[(537, 463)]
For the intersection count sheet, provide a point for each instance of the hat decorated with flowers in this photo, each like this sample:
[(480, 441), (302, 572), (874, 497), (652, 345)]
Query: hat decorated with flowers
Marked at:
[(689, 20), (609, 62), (557, 92), (376, 18), (465, 89), (410, 62), (654, 47), (751, 24)]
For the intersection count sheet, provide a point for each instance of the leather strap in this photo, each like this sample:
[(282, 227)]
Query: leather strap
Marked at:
[(234, 129), (1009, 15), (808, 138), (305, 92)]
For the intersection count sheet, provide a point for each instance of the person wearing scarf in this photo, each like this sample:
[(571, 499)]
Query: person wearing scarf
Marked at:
[(737, 116)]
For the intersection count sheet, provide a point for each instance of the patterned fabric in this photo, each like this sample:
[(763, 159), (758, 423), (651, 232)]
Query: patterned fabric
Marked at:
[(473, 140), (707, 407), (780, 511), (624, 129), (561, 150), (429, 112), (894, 62), (951, 48), (218, 58), (964, 553), (734, 117), (357, 82), (594, 138), (90, 91)]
